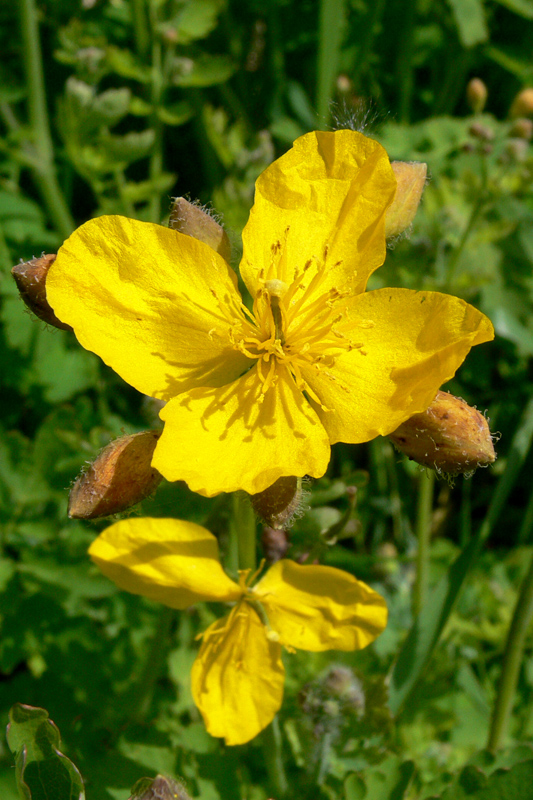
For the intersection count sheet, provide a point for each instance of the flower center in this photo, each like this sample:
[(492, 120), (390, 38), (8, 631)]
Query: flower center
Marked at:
[(301, 326)]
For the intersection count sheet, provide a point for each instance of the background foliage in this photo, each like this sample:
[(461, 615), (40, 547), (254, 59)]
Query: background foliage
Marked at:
[(116, 106)]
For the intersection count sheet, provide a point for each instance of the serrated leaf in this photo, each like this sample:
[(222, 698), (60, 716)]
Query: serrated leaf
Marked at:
[(110, 106), (128, 148), (42, 771)]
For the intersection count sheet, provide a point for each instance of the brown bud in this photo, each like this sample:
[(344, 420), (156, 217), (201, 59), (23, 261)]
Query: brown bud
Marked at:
[(451, 436), (480, 131), (476, 94), (275, 543), (159, 788), (278, 504), (522, 128), (411, 179), (30, 278), (522, 105), (192, 220), (120, 477)]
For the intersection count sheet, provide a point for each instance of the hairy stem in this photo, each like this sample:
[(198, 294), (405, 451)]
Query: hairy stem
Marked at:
[(423, 533)]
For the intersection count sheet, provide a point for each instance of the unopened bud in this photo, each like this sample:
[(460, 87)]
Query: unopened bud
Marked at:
[(522, 105), (450, 436), (518, 149), (522, 128), (159, 788), (30, 278), (411, 179), (480, 131), (119, 478), (476, 94), (275, 543), (192, 220), (278, 504)]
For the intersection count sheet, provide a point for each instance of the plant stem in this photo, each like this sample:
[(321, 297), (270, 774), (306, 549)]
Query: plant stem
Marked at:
[(143, 692), (330, 32), (512, 661), (271, 741), (140, 28), (423, 534), (243, 523), (405, 60), (157, 87), (474, 215), (43, 169)]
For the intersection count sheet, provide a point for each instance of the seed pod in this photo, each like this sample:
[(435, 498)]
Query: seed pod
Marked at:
[(119, 478), (476, 94), (30, 278), (522, 105), (192, 220), (451, 436), (159, 788), (411, 179), (278, 504)]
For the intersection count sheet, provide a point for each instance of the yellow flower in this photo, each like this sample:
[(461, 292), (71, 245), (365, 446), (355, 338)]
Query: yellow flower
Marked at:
[(254, 396), (237, 678)]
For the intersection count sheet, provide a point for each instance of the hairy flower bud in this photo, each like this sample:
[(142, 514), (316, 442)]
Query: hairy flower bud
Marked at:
[(476, 94), (120, 477), (278, 504), (411, 179), (159, 788), (450, 436), (30, 278), (522, 105), (522, 128), (192, 220)]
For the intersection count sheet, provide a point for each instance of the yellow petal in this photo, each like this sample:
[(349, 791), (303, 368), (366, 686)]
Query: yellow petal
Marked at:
[(320, 608), (330, 189), (237, 678), (416, 342), (168, 560), (222, 440), (142, 297)]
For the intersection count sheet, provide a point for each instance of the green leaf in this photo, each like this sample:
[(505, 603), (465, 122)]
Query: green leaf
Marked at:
[(42, 771), (206, 70), (197, 19), (510, 784), (524, 8), (470, 20), (125, 64), (176, 114)]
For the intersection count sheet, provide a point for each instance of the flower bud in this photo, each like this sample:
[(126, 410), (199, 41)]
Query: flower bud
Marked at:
[(482, 132), (275, 544), (159, 788), (522, 128), (278, 504), (411, 179), (192, 220), (476, 94), (522, 105), (30, 278), (120, 477), (450, 436)]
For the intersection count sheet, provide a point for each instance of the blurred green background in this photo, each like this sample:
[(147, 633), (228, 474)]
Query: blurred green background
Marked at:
[(116, 106)]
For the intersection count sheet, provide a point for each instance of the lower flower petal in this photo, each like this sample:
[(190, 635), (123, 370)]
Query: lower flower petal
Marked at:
[(222, 440), (168, 560), (320, 608), (412, 343), (237, 678)]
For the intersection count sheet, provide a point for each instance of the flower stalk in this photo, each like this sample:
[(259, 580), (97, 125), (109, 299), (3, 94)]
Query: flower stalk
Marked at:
[(423, 533)]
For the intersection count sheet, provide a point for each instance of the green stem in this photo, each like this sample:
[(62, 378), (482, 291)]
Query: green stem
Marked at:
[(512, 661), (527, 523), (477, 208), (423, 534), (140, 28), (243, 522), (156, 158), (368, 32), (330, 32), (405, 68), (271, 741), (143, 692), (43, 171)]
